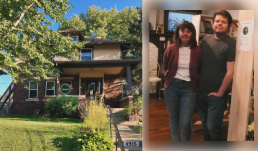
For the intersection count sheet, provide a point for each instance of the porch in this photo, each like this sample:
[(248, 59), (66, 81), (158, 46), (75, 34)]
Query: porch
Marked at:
[(104, 77)]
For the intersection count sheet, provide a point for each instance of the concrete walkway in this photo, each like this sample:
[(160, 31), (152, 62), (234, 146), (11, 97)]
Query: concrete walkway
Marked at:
[(126, 130)]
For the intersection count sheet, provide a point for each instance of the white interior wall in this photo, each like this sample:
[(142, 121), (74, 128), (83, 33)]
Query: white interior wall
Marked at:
[(160, 17), (152, 19), (234, 13)]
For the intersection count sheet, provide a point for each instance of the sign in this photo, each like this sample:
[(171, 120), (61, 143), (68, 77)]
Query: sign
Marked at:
[(131, 143), (65, 88), (245, 35)]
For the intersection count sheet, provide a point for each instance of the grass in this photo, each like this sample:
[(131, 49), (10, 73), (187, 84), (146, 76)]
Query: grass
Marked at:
[(20, 132)]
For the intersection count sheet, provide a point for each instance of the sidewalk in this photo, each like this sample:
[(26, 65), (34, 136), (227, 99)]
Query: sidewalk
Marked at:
[(126, 130)]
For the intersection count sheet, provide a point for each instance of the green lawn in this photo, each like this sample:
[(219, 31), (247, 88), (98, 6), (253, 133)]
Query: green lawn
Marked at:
[(20, 133)]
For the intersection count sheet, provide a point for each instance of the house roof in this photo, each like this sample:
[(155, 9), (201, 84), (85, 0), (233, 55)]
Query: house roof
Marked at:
[(104, 41), (118, 62), (71, 30), (99, 63), (125, 45)]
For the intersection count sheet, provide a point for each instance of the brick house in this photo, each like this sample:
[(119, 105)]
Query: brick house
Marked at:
[(100, 69)]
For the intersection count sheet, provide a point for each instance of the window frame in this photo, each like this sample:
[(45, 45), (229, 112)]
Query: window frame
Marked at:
[(33, 89), (76, 37), (86, 49), (166, 12), (50, 89)]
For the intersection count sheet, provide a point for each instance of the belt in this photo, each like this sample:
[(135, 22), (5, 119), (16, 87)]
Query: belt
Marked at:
[(182, 80)]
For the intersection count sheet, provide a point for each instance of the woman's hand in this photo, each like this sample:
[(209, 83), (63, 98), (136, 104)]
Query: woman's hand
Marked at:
[(215, 94)]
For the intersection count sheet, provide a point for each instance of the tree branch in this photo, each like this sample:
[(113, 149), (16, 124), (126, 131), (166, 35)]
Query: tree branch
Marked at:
[(17, 22), (19, 29)]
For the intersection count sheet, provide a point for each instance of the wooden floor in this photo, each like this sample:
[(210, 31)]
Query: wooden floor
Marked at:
[(159, 123)]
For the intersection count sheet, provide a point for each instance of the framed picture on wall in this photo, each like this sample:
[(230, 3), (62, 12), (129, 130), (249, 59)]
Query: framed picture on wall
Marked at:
[(159, 28), (207, 26)]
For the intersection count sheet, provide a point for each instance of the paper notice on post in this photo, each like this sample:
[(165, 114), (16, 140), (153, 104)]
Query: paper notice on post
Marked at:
[(245, 35)]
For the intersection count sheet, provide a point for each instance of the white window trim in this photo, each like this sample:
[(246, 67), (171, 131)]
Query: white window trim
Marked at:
[(51, 89), (86, 49), (33, 99), (76, 37), (50, 78)]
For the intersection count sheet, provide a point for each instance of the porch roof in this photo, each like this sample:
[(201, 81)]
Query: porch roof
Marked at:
[(100, 64)]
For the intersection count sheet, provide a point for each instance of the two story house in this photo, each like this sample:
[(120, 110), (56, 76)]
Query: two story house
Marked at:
[(100, 69)]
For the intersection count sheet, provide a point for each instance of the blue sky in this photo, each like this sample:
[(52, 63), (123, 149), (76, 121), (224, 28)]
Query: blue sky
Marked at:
[(79, 7)]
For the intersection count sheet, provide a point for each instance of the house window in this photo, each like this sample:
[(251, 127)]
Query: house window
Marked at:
[(50, 88), (175, 18), (86, 54), (75, 38), (33, 90)]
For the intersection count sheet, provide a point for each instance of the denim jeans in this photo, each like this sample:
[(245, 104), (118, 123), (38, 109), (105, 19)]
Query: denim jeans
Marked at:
[(180, 100), (211, 110)]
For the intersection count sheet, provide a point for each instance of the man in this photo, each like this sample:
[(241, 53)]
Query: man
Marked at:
[(216, 75)]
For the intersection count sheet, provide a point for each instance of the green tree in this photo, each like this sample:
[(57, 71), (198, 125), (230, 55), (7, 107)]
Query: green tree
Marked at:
[(109, 24), (27, 44), (135, 33), (74, 23)]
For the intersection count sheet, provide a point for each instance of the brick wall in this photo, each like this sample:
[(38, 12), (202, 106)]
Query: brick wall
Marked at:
[(112, 90), (21, 106), (153, 60)]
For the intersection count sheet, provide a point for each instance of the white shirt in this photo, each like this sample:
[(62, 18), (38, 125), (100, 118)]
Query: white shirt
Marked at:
[(183, 64)]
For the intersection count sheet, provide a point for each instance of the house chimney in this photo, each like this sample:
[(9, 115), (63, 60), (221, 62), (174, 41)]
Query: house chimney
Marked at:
[(93, 35)]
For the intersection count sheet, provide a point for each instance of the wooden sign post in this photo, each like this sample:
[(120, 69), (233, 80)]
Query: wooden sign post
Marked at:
[(242, 80)]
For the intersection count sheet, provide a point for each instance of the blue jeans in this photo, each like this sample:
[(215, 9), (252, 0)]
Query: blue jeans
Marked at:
[(180, 100), (211, 110)]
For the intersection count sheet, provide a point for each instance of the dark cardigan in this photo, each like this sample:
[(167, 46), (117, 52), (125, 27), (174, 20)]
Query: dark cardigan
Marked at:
[(170, 63)]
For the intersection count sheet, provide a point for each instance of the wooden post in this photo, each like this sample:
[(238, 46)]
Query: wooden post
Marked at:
[(129, 85), (57, 82), (129, 80), (57, 85), (241, 89)]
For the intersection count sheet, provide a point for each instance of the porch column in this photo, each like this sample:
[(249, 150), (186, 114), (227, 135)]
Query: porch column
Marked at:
[(129, 84), (57, 82), (57, 85)]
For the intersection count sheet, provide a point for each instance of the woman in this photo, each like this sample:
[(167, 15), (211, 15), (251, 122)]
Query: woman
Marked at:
[(182, 62)]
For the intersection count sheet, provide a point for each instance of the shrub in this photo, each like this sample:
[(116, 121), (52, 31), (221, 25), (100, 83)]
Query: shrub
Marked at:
[(96, 115), (63, 106), (138, 129), (140, 119), (93, 141), (127, 111)]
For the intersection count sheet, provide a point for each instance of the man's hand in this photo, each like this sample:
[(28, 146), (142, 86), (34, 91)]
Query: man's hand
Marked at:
[(215, 94)]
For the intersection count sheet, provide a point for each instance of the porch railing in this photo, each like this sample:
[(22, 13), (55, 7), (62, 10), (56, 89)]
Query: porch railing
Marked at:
[(118, 137), (7, 96)]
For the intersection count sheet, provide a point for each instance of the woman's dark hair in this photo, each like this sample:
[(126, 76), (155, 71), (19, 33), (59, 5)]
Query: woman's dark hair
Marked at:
[(182, 26), (223, 13)]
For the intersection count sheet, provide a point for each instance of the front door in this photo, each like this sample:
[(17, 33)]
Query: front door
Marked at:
[(90, 86)]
